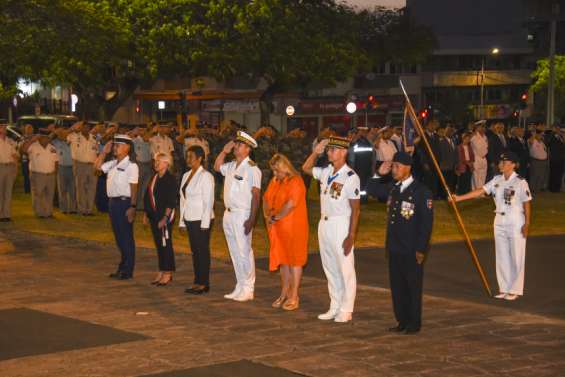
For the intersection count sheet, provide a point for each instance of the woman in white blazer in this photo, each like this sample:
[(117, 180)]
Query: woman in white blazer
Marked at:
[(197, 215)]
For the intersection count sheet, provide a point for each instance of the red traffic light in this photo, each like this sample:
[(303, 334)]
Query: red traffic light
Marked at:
[(371, 98), (424, 113)]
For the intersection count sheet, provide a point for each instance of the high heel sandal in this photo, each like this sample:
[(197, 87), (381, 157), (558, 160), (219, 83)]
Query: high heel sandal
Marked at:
[(278, 302), (161, 284), (291, 305)]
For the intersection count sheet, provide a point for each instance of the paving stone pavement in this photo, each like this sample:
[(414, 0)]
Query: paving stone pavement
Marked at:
[(69, 277)]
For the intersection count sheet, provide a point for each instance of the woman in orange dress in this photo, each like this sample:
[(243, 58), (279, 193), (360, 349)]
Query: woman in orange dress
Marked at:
[(284, 208)]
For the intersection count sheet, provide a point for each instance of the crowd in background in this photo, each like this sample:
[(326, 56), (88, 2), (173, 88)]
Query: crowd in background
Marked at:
[(57, 162)]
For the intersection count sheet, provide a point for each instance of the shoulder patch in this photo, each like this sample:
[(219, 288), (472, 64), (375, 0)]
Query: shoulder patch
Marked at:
[(252, 163), (350, 173)]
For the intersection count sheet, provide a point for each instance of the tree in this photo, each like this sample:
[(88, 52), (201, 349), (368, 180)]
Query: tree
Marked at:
[(69, 42), (540, 78)]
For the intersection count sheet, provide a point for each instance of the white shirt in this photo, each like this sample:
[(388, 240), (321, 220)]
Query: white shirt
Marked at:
[(509, 196), (336, 190), (538, 150), (407, 182), (197, 198), (83, 149), (42, 160), (161, 144), (239, 182), (386, 150), (479, 143), (190, 141), (120, 176), (8, 148)]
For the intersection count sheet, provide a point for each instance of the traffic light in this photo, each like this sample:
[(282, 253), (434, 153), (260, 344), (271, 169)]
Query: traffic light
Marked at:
[(372, 102), (524, 100), (424, 114)]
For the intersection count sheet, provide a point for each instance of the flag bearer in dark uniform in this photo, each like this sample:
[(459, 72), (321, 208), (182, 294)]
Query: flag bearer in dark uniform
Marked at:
[(409, 227), (121, 185)]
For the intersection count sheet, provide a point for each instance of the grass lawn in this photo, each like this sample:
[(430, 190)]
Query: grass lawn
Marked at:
[(548, 218)]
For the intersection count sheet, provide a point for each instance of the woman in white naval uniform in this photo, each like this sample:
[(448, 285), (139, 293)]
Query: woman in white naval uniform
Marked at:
[(340, 207), (512, 197)]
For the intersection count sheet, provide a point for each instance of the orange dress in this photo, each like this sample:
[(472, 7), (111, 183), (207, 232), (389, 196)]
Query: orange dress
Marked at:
[(288, 236)]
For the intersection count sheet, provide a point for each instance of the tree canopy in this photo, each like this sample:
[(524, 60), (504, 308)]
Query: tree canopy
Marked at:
[(96, 44)]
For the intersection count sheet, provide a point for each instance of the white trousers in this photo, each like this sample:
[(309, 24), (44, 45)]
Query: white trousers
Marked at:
[(479, 173), (240, 249), (510, 247), (339, 269)]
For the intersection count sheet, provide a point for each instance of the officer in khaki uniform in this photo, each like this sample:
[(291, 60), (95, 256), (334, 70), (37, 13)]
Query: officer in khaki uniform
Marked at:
[(340, 207), (84, 150), (162, 143), (43, 159), (8, 168)]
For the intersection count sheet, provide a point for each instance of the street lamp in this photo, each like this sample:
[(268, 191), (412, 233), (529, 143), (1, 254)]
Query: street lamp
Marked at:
[(494, 51), (351, 107)]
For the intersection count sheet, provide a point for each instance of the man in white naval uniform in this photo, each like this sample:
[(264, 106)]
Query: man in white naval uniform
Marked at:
[(242, 192), (340, 207), (479, 144), (512, 197)]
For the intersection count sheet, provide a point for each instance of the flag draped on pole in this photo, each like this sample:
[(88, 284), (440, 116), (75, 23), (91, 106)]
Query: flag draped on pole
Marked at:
[(408, 129)]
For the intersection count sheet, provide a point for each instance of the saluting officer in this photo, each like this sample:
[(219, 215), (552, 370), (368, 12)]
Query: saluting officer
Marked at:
[(121, 186), (340, 208), (242, 192), (43, 160), (512, 197), (409, 227)]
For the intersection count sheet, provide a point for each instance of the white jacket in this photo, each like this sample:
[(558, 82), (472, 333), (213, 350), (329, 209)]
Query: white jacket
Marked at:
[(197, 198)]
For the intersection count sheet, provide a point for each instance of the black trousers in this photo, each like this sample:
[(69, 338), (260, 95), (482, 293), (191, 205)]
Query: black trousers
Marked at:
[(199, 241), (464, 182), (406, 282), (123, 233), (556, 169), (165, 253), (451, 180)]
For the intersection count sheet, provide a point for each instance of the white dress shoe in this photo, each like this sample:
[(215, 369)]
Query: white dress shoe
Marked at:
[(329, 315), (343, 317), (244, 296), (510, 297), (230, 296), (500, 295)]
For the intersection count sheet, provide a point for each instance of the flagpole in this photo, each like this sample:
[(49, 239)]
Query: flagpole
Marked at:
[(448, 191)]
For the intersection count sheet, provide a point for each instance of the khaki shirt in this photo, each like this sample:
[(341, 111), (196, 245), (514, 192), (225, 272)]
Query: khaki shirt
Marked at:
[(42, 159), (8, 148), (83, 149)]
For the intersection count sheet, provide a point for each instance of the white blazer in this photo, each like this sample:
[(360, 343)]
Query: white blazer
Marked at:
[(197, 198)]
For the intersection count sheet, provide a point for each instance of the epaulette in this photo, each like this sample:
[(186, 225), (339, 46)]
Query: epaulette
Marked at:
[(350, 173), (522, 178), (252, 163)]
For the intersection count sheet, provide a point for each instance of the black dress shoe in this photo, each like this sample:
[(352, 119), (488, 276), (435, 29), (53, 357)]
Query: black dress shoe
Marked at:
[(115, 275), (124, 276), (412, 331), (398, 328), (200, 291)]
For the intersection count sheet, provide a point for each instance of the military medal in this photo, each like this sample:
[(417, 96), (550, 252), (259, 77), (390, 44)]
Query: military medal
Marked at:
[(508, 195), (407, 210)]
